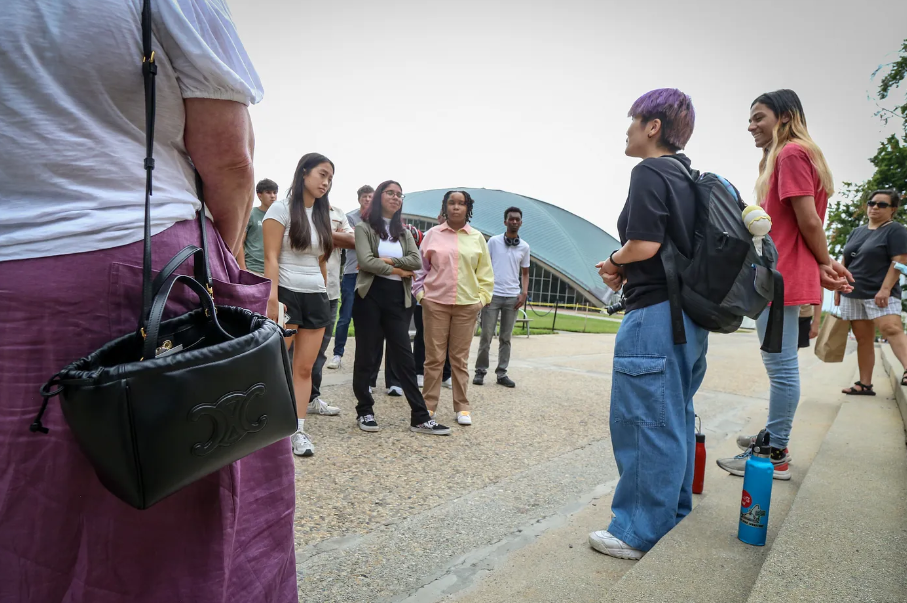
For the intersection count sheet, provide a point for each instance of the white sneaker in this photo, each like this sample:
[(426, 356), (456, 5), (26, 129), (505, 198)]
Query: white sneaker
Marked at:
[(463, 418), (420, 381), (302, 445), (395, 391), (447, 383), (604, 542), (335, 362), (320, 407)]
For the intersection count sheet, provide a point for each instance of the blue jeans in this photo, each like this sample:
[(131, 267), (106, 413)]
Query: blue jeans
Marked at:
[(784, 375), (653, 429), (347, 291)]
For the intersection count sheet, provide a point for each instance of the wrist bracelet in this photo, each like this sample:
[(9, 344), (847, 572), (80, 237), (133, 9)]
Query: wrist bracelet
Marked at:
[(611, 258)]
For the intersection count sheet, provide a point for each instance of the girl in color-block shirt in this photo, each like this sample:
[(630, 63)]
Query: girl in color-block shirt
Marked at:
[(456, 280)]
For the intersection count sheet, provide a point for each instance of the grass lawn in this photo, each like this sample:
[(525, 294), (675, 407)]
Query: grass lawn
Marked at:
[(542, 322)]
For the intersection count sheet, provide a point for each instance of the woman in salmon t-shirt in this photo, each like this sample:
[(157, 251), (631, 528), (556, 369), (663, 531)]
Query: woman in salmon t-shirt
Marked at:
[(793, 187)]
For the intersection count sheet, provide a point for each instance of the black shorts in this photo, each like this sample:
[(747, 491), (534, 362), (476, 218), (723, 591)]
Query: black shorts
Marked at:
[(806, 323), (305, 310)]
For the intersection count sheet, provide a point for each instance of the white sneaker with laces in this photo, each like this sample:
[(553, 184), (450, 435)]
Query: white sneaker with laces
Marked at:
[(604, 542), (447, 383), (302, 445), (463, 418), (420, 381), (367, 423), (320, 407), (335, 362)]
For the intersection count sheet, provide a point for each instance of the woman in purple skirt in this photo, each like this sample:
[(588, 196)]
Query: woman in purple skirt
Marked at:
[(72, 127)]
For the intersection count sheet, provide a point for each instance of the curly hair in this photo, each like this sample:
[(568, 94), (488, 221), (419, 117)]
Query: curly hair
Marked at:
[(469, 204)]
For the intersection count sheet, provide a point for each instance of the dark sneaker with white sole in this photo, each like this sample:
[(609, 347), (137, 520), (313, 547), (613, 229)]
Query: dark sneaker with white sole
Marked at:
[(431, 427), (367, 423)]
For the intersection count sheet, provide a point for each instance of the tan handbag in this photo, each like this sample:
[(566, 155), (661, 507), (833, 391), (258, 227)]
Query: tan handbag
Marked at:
[(832, 340)]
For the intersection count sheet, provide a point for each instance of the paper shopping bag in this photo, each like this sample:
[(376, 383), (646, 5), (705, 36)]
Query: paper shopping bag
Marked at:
[(832, 340)]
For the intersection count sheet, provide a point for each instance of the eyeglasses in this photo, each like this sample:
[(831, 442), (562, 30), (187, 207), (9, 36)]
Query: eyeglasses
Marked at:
[(879, 204), (394, 194)]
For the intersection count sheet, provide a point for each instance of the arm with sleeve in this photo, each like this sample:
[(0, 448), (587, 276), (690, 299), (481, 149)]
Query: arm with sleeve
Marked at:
[(368, 262)]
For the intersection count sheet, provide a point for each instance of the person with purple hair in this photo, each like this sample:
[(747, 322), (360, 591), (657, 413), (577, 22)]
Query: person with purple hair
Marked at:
[(653, 381)]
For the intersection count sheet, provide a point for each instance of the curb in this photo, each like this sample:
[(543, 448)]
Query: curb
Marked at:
[(889, 362)]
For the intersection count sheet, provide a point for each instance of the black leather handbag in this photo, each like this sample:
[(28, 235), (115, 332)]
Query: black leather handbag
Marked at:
[(176, 400)]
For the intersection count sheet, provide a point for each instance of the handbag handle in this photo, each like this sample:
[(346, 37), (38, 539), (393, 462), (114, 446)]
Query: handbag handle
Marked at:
[(202, 271), (160, 302)]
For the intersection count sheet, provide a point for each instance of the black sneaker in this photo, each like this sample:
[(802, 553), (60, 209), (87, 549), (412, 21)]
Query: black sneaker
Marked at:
[(506, 381), (431, 427), (367, 423), (479, 379)]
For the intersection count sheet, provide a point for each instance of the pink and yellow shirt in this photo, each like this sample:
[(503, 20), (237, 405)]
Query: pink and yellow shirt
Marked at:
[(456, 267)]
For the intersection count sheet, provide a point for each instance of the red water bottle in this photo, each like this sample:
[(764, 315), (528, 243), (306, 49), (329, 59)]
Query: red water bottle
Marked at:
[(699, 468)]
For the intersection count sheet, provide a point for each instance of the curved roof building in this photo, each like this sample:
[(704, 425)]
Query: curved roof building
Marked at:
[(564, 247)]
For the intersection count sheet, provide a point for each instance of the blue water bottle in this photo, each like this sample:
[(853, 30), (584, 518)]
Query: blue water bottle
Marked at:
[(757, 493)]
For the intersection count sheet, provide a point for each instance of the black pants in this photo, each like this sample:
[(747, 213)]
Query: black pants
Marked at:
[(382, 316), (320, 359), (419, 346)]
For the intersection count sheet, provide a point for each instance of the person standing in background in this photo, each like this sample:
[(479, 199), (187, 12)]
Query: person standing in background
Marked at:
[(510, 260), (455, 281), (251, 254), (383, 307), (348, 284), (810, 316), (298, 241), (343, 239)]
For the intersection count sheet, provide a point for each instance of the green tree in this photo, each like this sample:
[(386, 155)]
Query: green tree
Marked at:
[(890, 162)]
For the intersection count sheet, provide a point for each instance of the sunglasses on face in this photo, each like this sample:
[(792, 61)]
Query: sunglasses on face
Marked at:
[(879, 204)]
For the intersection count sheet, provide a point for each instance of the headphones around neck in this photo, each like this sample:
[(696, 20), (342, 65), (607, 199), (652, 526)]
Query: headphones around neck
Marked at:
[(511, 242)]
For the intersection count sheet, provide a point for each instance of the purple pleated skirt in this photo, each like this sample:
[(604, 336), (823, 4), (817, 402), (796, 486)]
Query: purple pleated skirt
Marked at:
[(63, 537)]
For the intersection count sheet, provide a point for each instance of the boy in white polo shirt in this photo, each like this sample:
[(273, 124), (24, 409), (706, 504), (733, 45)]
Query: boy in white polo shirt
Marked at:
[(510, 261)]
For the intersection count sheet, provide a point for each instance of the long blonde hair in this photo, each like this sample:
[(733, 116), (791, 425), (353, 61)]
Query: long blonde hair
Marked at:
[(786, 103)]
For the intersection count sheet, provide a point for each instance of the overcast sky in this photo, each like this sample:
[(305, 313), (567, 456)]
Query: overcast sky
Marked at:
[(531, 96)]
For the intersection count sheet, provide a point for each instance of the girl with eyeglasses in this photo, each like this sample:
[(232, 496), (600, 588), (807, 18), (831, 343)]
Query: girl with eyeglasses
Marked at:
[(383, 308), (793, 187), (875, 302)]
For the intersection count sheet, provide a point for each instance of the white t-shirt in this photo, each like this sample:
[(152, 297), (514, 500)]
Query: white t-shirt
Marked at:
[(339, 223), (390, 249), (298, 270), (507, 263), (72, 117)]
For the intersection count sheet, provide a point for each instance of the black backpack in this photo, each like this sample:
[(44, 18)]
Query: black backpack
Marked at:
[(725, 280)]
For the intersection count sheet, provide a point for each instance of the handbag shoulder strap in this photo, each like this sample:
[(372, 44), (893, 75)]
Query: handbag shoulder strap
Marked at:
[(149, 71)]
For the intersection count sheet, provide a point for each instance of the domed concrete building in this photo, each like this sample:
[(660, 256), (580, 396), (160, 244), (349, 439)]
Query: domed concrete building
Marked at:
[(564, 248)]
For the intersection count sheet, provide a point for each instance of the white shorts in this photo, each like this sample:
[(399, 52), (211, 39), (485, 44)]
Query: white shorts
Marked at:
[(866, 309)]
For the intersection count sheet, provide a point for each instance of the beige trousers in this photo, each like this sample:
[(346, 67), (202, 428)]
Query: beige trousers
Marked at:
[(448, 328)]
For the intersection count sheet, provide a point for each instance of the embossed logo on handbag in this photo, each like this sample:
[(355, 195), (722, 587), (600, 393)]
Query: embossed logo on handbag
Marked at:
[(228, 416)]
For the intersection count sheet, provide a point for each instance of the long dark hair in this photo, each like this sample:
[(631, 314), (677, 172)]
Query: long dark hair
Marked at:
[(469, 204), (300, 237), (375, 217)]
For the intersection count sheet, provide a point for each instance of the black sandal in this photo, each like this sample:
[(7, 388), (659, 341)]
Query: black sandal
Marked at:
[(904, 379), (865, 390)]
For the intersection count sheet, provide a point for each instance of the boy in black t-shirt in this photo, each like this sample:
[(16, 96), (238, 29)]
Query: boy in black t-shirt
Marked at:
[(653, 381)]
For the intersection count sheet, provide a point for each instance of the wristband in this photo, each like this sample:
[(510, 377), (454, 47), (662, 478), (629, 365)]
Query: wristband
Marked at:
[(611, 258)]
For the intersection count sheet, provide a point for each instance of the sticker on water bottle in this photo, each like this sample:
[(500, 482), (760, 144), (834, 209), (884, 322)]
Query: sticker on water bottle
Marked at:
[(754, 516)]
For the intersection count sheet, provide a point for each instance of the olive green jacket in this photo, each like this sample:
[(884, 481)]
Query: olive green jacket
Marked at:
[(370, 265)]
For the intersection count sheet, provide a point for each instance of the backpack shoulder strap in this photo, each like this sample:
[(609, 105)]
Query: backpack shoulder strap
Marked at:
[(668, 259)]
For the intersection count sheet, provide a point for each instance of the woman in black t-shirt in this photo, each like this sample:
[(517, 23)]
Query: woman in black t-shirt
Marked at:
[(653, 381), (875, 301)]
